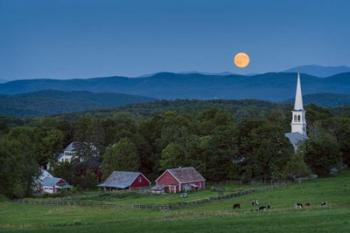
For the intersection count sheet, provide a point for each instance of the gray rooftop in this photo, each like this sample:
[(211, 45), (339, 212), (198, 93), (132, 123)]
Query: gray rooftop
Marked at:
[(73, 146), (120, 179), (52, 181), (186, 174), (70, 147)]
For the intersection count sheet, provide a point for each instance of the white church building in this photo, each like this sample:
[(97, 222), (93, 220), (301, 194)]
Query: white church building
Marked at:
[(298, 125)]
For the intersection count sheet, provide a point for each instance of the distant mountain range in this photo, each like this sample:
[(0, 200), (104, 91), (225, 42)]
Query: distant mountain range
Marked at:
[(320, 71), (270, 86), (47, 96), (55, 102)]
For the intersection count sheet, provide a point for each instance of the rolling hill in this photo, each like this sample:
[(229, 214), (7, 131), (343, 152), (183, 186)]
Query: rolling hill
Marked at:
[(325, 100), (51, 102), (44, 103), (269, 86), (320, 71)]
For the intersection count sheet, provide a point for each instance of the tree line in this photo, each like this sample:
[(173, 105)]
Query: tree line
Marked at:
[(221, 142)]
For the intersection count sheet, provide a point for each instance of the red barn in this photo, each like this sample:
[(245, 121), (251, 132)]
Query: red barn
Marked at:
[(181, 179), (125, 180)]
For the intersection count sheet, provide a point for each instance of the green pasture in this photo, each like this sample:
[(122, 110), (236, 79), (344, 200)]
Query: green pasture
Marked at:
[(215, 217), (128, 198)]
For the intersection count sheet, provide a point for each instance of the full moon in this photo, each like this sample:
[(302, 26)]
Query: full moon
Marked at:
[(241, 60)]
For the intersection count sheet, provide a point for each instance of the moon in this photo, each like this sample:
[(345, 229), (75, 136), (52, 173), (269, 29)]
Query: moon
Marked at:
[(241, 60)]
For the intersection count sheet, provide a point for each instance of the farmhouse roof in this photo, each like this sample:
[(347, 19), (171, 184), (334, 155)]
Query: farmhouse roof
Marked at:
[(120, 179), (44, 174), (73, 146), (53, 181), (70, 147), (186, 174)]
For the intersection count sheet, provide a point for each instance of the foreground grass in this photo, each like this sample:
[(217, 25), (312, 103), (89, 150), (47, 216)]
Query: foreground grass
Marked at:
[(213, 217)]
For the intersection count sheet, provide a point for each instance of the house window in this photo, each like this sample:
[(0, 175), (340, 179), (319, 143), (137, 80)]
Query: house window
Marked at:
[(295, 118), (298, 118), (140, 179)]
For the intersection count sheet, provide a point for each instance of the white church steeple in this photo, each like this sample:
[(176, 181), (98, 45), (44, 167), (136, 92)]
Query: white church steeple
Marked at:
[(298, 124), (298, 105)]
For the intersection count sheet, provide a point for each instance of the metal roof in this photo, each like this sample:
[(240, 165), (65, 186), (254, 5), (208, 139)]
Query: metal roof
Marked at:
[(52, 181), (44, 174), (296, 138), (120, 179), (186, 174), (73, 146)]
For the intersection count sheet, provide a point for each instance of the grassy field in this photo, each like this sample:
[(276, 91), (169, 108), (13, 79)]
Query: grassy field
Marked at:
[(218, 216), (140, 198)]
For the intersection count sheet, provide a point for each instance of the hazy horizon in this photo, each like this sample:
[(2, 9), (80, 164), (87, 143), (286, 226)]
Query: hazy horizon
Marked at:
[(223, 73), (90, 38)]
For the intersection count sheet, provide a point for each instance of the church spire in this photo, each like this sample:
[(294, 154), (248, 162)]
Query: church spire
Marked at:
[(298, 121), (298, 105), (298, 125)]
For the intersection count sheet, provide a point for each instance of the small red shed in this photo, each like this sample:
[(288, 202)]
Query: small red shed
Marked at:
[(125, 180), (181, 179)]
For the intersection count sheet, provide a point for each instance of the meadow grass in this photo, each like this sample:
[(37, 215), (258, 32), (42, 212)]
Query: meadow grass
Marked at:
[(218, 216), (138, 198)]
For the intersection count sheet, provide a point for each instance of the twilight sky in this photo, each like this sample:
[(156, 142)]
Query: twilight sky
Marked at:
[(94, 38)]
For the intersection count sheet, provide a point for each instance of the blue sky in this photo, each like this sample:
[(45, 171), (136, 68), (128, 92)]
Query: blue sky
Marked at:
[(93, 38)]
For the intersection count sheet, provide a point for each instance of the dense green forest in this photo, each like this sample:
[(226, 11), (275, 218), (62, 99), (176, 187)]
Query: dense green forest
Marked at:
[(50, 102), (224, 140)]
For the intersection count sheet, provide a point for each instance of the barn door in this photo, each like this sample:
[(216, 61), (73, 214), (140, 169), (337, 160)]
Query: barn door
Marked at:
[(172, 188)]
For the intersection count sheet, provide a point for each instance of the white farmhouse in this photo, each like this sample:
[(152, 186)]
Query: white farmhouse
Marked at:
[(72, 151), (47, 183)]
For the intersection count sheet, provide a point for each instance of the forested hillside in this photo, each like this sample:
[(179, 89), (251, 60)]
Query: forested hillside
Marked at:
[(52, 102), (45, 103)]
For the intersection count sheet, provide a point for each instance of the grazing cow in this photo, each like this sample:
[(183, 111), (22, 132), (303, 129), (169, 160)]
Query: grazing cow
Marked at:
[(324, 204), (298, 205), (307, 204), (236, 206), (255, 203)]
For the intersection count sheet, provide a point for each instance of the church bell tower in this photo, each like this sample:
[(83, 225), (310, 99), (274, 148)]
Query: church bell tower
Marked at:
[(298, 123)]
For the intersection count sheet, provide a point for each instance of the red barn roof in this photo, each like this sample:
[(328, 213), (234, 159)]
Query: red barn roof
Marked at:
[(184, 174)]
